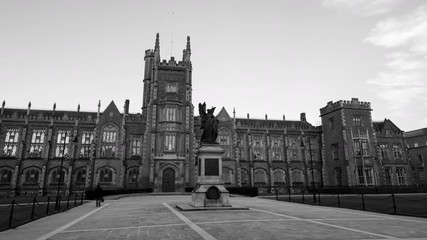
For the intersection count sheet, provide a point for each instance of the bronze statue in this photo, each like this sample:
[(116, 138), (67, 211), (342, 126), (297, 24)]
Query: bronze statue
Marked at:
[(209, 124)]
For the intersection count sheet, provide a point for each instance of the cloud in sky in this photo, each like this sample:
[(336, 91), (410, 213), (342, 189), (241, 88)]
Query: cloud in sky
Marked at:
[(362, 7), (404, 78)]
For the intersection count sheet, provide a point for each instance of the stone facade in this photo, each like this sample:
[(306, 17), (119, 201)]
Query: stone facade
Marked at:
[(157, 148), (416, 143)]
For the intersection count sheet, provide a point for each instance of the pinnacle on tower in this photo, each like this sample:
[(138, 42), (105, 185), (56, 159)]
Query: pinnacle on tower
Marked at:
[(187, 51), (157, 46)]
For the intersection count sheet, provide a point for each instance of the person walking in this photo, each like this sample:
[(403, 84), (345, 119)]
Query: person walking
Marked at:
[(98, 195)]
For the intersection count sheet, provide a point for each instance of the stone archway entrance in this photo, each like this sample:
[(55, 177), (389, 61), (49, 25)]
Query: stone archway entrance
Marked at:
[(168, 180)]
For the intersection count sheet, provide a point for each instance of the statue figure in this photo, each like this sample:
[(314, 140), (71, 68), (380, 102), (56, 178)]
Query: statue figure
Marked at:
[(209, 124)]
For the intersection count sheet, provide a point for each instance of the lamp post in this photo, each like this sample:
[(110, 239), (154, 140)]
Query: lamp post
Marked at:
[(57, 206), (312, 171)]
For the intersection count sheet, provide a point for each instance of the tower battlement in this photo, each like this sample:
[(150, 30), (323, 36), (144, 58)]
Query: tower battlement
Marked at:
[(172, 63), (149, 53), (354, 103)]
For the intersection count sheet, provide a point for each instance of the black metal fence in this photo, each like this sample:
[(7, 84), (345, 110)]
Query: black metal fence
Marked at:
[(414, 204), (20, 212)]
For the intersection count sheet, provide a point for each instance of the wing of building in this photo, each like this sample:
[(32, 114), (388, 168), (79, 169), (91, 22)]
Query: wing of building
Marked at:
[(74, 151)]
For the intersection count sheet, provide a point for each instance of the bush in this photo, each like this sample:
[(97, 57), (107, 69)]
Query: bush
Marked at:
[(89, 194), (370, 190), (249, 191)]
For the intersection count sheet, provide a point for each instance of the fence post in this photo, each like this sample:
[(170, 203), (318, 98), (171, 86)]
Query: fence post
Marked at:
[(363, 202), (289, 194), (32, 211), (68, 201), (59, 204), (81, 201), (394, 203), (47, 208), (75, 198), (302, 193), (319, 199), (339, 201), (11, 213)]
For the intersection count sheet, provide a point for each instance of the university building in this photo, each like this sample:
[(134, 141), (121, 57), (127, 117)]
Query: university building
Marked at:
[(156, 149)]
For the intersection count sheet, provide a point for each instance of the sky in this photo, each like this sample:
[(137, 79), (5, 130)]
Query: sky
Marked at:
[(259, 57)]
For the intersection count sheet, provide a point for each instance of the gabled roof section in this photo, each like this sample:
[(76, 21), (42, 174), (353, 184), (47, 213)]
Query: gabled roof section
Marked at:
[(111, 108), (223, 115), (386, 124), (111, 113)]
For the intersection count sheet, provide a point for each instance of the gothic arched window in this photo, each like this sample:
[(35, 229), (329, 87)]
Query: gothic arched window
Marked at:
[(32, 175), (260, 177), (106, 176), (279, 177), (109, 141), (5, 176), (133, 175), (81, 175), (57, 176)]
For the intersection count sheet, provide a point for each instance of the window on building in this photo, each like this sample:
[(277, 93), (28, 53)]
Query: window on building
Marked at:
[(401, 176), (388, 176), (365, 151), (81, 176), (170, 114), (331, 123), (227, 176), (11, 142), (397, 151), (279, 177), (85, 145), (297, 178), (5, 176), (32, 176), (136, 146), (109, 141), (260, 177), (106, 176), (420, 160), (57, 176), (170, 142), (368, 175), (276, 154), (415, 144), (357, 120), (258, 154), (335, 152), (387, 133), (244, 178), (133, 175), (172, 87), (384, 151), (62, 143), (356, 148), (224, 136), (338, 176), (37, 141)]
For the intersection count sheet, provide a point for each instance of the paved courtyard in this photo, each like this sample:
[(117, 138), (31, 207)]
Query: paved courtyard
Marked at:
[(155, 217)]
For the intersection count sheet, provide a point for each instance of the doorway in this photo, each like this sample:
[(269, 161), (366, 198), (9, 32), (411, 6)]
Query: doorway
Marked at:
[(168, 180)]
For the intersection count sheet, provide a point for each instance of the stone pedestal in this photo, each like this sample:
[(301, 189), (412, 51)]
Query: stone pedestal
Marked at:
[(210, 190)]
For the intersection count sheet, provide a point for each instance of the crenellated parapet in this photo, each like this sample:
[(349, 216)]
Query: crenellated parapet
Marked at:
[(149, 53), (354, 103), (173, 63)]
